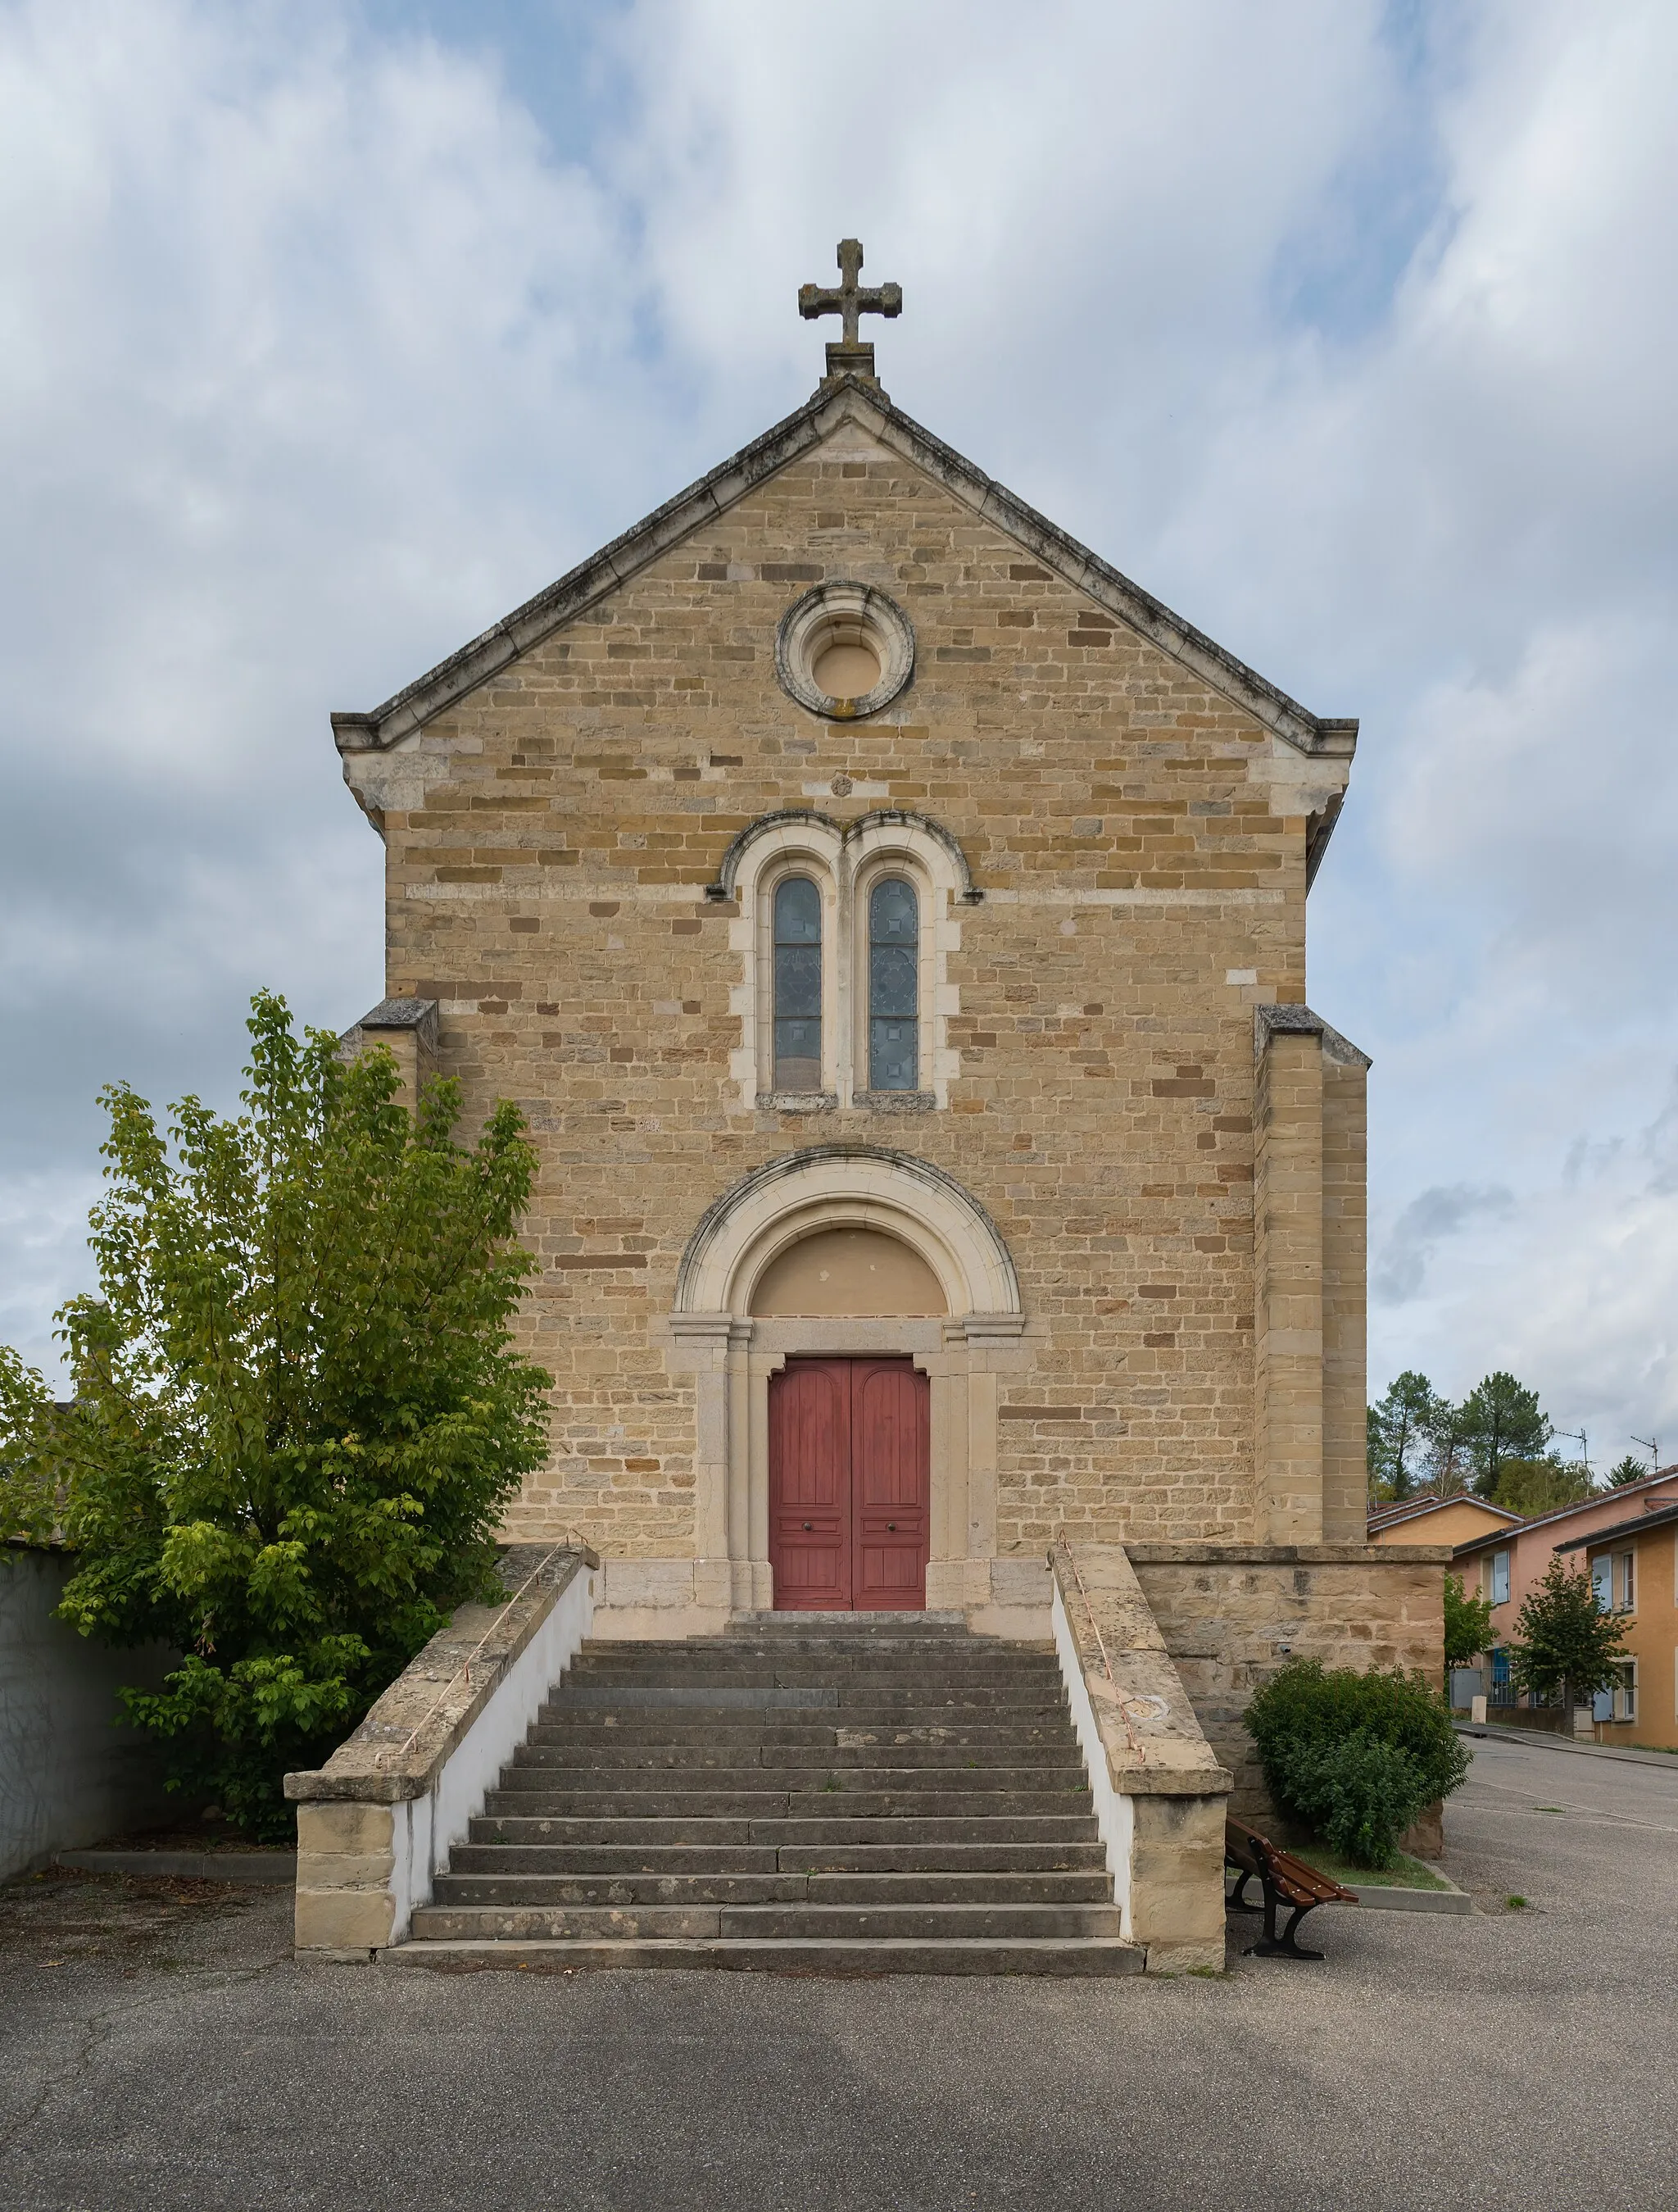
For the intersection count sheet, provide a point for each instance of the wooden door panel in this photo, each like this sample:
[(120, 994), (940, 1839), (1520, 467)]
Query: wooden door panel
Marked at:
[(850, 1485), (891, 1484), (810, 1485)]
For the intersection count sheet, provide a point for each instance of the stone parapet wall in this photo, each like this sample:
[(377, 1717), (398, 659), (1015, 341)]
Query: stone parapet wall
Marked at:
[(376, 1823), (1160, 1791), (1231, 1615)]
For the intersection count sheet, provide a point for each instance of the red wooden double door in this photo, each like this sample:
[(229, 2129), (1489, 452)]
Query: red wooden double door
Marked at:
[(850, 1485)]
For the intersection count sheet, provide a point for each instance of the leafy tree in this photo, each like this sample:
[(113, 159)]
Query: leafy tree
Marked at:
[(1564, 1646), (1401, 1430), (298, 1410), (1500, 1419), (1541, 1485), (1467, 1625), (1629, 1469)]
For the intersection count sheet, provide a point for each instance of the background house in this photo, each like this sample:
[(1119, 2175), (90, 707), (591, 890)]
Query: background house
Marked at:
[(1636, 1522), (1633, 1568), (1429, 1520)]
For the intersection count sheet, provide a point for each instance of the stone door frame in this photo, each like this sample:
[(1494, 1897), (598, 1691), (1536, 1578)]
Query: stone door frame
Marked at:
[(730, 1356)]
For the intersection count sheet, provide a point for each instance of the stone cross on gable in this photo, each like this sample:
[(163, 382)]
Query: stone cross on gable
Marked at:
[(849, 301)]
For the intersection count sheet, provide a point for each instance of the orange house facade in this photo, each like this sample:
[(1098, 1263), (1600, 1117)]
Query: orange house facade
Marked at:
[(1633, 1569), (1453, 1521), (1627, 1539)]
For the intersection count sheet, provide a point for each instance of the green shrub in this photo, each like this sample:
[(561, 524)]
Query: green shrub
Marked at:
[(1354, 1757), (1359, 1795)]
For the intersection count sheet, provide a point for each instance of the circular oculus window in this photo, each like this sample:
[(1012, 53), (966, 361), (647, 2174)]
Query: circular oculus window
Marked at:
[(844, 650)]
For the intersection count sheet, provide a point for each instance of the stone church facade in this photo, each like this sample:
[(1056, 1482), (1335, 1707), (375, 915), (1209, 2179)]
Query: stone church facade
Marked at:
[(892, 921)]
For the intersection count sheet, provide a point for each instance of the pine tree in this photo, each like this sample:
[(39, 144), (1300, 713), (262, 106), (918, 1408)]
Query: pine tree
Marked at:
[(1400, 1430), (1501, 1419)]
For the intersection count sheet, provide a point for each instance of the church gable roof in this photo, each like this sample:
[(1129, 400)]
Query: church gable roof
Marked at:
[(846, 396)]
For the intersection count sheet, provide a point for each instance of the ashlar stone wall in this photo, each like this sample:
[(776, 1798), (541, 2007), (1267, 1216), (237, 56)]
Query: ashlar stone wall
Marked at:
[(1231, 1618)]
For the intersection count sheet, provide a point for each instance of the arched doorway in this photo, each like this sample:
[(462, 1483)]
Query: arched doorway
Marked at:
[(846, 1312)]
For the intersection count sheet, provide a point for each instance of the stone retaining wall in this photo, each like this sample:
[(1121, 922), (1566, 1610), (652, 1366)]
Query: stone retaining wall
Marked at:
[(1231, 1615)]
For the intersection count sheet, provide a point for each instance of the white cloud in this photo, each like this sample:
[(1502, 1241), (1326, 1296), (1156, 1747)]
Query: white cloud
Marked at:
[(1342, 328)]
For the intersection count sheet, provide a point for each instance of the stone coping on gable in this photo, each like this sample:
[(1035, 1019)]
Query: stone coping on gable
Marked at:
[(1283, 1555), (476, 662), (401, 1747)]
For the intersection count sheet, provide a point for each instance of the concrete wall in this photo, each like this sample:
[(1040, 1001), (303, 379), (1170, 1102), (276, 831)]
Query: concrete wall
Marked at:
[(70, 1773)]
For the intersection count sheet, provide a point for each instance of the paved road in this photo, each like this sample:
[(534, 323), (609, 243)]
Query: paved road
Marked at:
[(176, 2057)]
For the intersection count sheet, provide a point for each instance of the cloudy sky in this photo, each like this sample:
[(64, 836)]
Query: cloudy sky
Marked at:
[(328, 331)]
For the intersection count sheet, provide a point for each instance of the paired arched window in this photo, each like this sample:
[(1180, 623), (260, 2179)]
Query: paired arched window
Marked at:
[(798, 985), (891, 983), (894, 986)]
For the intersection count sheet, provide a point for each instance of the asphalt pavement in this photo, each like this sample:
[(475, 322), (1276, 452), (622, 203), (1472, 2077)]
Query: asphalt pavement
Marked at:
[(159, 2048)]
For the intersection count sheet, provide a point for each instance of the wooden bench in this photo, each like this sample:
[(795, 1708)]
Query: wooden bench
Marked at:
[(1284, 1880)]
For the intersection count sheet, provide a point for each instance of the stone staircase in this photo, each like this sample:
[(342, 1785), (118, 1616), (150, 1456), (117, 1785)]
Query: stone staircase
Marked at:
[(825, 1793)]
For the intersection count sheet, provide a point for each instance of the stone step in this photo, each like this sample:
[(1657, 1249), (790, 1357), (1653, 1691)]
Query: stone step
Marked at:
[(830, 1630), (876, 1621), (517, 1847), (855, 1631), (1104, 1956), (800, 1795), (875, 1710), (805, 1666), (801, 1663), (652, 1731), (540, 1767), (953, 1804), (850, 1923), (706, 1833), (819, 1691), (461, 1888), (704, 1758)]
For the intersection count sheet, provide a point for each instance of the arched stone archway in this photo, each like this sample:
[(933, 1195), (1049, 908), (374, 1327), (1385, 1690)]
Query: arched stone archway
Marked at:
[(732, 1355)]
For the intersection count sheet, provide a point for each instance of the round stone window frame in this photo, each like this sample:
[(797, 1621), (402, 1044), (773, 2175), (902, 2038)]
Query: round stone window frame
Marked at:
[(842, 611)]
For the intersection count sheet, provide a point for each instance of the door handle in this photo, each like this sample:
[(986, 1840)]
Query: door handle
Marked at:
[(809, 1524), (891, 1527)]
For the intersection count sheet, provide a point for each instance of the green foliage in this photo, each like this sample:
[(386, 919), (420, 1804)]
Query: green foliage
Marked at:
[(1629, 1469), (1468, 1624), (1564, 1647), (1401, 1434), (1500, 1419), (298, 1410), (1416, 1440), (1354, 1757), (28, 1491), (1360, 1794), (1541, 1485)]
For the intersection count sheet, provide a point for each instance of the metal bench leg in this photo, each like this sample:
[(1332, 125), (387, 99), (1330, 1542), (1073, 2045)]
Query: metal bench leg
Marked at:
[(1236, 1899), (1285, 1946)]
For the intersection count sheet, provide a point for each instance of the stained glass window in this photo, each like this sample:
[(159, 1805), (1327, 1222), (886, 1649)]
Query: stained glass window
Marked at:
[(893, 965), (798, 985)]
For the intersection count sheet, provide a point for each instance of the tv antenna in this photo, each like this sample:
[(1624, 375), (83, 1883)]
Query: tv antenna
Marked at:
[(1651, 1445), (1585, 1447)]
